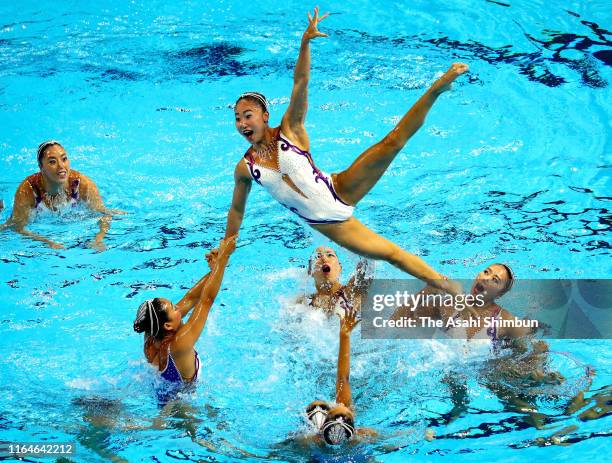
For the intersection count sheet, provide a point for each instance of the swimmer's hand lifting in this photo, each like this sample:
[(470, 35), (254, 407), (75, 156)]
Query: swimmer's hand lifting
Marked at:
[(227, 246), (211, 257), (349, 321), (311, 31)]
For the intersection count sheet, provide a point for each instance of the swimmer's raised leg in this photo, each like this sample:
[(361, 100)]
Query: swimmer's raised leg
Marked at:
[(356, 181)]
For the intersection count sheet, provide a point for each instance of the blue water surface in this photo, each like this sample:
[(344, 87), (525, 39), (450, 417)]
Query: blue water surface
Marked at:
[(512, 165)]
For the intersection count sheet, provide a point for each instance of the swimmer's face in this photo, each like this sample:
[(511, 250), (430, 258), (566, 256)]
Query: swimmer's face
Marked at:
[(334, 414), (55, 164), (491, 283), (325, 266), (251, 120), (174, 316)]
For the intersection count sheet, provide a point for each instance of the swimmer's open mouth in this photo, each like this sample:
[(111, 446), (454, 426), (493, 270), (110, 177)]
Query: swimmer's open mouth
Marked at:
[(247, 133), (326, 268), (478, 288)]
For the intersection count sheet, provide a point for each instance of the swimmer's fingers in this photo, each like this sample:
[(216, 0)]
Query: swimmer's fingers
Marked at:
[(350, 320), (117, 212), (311, 31), (211, 257), (228, 245)]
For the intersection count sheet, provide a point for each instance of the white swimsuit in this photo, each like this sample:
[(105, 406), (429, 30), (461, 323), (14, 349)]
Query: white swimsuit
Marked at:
[(316, 201)]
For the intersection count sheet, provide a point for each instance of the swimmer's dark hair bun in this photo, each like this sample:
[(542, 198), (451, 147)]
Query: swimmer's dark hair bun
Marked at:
[(139, 327), (142, 321)]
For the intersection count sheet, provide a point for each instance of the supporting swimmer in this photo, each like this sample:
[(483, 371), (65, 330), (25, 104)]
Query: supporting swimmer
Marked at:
[(169, 344), (331, 295)]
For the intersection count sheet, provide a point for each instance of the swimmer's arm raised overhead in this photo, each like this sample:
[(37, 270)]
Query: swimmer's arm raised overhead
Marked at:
[(91, 195), (242, 187), (22, 208), (193, 295), (293, 120), (189, 333), (343, 385)]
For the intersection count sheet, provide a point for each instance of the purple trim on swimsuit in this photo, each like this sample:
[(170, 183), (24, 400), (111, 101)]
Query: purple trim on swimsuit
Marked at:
[(492, 330), (496, 343), (74, 193), (255, 173), (306, 219), (286, 145)]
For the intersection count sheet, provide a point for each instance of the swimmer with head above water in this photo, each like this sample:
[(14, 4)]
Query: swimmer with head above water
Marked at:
[(517, 359), (280, 161), (169, 344), (331, 296), (55, 186), (488, 286)]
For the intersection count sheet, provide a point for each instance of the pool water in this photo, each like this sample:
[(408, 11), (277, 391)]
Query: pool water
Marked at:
[(513, 165)]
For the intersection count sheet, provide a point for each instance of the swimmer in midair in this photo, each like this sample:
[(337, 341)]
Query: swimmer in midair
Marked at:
[(280, 161)]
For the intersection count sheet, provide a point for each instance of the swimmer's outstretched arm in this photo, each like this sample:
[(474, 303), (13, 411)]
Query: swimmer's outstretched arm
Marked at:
[(191, 297), (22, 207), (343, 386), (293, 119), (94, 201), (242, 187), (189, 333)]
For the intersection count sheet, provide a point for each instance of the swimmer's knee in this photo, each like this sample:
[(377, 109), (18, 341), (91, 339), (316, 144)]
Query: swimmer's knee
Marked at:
[(393, 255)]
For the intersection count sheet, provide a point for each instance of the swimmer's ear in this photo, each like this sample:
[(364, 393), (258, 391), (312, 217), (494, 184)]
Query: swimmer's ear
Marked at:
[(168, 326), (266, 116)]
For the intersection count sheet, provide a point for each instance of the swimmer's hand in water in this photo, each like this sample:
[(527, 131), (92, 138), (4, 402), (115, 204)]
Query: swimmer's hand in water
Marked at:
[(55, 245), (116, 212), (311, 31), (349, 321), (98, 245)]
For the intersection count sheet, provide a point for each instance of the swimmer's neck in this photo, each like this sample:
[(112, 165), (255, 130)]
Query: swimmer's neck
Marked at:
[(52, 188), (327, 288), (265, 141)]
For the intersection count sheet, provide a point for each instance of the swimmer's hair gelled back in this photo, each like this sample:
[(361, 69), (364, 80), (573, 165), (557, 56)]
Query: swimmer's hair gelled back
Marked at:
[(42, 149), (150, 318), (257, 98), (510, 281)]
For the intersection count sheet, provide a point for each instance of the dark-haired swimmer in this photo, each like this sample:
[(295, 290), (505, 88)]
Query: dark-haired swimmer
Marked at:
[(335, 422), (488, 286), (280, 161), (53, 187), (331, 295), (518, 359), (169, 344)]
